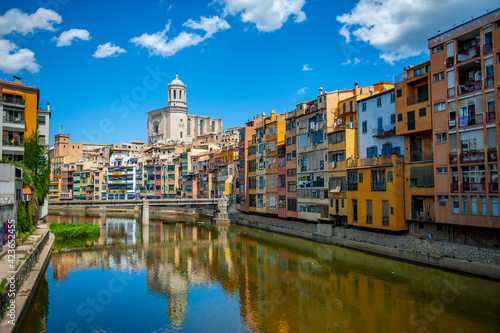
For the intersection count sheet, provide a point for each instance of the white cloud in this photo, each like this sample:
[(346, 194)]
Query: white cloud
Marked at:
[(356, 61), (170, 7), (108, 50), (67, 37), (302, 91), (15, 20), (12, 61), (158, 43), (400, 28), (347, 62), (306, 68), (267, 15)]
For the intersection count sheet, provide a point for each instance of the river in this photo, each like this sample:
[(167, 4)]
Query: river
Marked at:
[(195, 276)]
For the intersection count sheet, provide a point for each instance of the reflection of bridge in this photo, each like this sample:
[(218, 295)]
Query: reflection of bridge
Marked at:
[(141, 205)]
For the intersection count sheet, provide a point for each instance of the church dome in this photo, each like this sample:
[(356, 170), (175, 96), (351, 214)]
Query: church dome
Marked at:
[(176, 81)]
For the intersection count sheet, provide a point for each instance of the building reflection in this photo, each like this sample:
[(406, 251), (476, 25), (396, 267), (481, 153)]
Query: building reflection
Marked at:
[(285, 284)]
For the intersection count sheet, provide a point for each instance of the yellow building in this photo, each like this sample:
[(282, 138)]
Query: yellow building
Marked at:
[(54, 187), (414, 122), (19, 104)]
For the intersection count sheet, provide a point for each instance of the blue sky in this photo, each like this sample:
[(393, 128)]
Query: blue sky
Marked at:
[(238, 58)]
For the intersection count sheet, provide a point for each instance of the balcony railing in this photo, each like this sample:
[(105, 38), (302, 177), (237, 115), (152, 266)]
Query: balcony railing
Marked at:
[(473, 188), (12, 100), (470, 87), (384, 131), (450, 61), (492, 154), (15, 143), (13, 120), (453, 158), (451, 92), (417, 99), (468, 54), (454, 187), (470, 120), (470, 156), (493, 187), (489, 82), (487, 48), (490, 117)]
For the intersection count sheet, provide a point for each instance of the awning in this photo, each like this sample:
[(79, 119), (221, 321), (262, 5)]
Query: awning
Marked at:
[(335, 190)]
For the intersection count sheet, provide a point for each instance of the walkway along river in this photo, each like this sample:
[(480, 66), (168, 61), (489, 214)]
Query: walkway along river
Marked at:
[(180, 275)]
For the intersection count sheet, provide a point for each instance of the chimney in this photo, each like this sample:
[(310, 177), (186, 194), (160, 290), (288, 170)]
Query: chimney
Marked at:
[(320, 91), (48, 106), (17, 79), (439, 32), (263, 115)]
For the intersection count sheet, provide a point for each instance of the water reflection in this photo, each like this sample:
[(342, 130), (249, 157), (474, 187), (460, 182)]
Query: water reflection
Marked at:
[(273, 283)]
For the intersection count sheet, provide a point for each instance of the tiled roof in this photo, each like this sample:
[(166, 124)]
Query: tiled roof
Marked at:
[(16, 84)]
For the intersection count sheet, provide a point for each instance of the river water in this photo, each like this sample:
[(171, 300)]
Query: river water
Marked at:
[(195, 276)]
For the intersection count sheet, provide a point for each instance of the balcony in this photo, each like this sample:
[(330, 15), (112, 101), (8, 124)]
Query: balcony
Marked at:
[(487, 48), (384, 131), (489, 82), (472, 156), (13, 143), (420, 156), (450, 61), (453, 158), (490, 117), (470, 87), (451, 92), (492, 154), (452, 123), (473, 188), (411, 100), (17, 100), (421, 215), (470, 120), (471, 53), (13, 120), (493, 187), (454, 187)]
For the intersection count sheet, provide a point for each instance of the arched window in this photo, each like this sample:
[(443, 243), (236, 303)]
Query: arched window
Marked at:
[(201, 127), (174, 95), (213, 126), (181, 134), (189, 127), (180, 94), (155, 128)]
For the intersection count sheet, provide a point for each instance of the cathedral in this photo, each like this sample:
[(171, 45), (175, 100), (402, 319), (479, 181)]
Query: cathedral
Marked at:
[(173, 124)]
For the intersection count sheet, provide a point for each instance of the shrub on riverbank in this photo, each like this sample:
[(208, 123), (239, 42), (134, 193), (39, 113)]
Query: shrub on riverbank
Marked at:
[(74, 231)]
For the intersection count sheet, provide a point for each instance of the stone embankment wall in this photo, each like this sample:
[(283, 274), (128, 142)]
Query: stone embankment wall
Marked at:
[(471, 253), (476, 260)]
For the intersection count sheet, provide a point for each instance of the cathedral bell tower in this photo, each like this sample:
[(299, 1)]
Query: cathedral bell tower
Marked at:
[(177, 93)]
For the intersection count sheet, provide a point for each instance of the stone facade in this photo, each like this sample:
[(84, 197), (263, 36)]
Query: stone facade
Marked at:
[(173, 124)]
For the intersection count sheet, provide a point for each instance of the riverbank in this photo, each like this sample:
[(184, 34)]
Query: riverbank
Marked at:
[(32, 259), (479, 261)]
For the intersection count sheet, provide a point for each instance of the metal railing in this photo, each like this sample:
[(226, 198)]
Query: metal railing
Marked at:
[(470, 87), (468, 54), (487, 48), (454, 187), (470, 156), (492, 154), (470, 120), (15, 143), (451, 92), (493, 187), (489, 81), (473, 188)]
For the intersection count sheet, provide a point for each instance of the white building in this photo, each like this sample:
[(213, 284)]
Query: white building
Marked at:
[(377, 126), (43, 121), (172, 123)]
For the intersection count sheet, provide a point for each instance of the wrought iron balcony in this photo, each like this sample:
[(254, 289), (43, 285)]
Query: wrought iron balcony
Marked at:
[(473, 52)]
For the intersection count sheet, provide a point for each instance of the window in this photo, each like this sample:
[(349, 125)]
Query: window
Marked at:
[(369, 217), (389, 176), (440, 138), (473, 205), (289, 141), (41, 121), (422, 176), (292, 186), (336, 137), (494, 206), (399, 93), (437, 48), (360, 177), (465, 205), (289, 156), (410, 116), (354, 210), (379, 102), (364, 126), (456, 205), (442, 170), (294, 154), (400, 117), (422, 112), (419, 71), (392, 98), (440, 107), (483, 206), (442, 199), (292, 205), (291, 172), (378, 180), (363, 106), (439, 77), (393, 119)]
